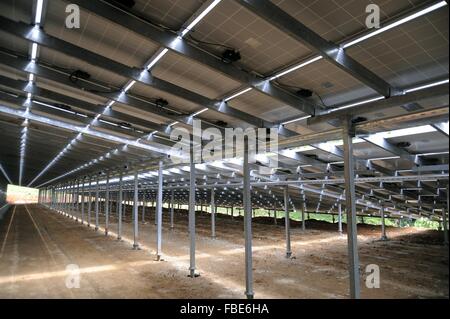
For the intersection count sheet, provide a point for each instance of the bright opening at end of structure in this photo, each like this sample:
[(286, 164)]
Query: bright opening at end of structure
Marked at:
[(21, 195)]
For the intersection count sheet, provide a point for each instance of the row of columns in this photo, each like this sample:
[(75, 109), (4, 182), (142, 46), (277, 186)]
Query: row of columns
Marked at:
[(49, 196), (67, 200)]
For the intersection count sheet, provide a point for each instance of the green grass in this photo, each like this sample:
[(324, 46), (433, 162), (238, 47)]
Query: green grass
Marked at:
[(423, 223)]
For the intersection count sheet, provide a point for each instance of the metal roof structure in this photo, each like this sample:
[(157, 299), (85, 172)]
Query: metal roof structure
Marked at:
[(104, 98)]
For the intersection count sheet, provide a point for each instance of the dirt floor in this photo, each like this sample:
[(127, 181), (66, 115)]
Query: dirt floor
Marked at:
[(37, 245)]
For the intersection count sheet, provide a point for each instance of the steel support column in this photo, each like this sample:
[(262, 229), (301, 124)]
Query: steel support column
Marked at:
[(61, 197), (444, 220), (350, 198), (77, 199), (135, 212), (119, 222), (287, 223), (247, 224), (97, 189), (74, 190), (67, 199), (156, 214), (52, 197), (117, 203), (89, 208), (171, 208), (159, 204), (57, 197), (192, 273), (57, 189), (107, 205), (303, 217), (340, 218), (213, 215), (143, 207), (64, 198), (82, 200), (383, 225)]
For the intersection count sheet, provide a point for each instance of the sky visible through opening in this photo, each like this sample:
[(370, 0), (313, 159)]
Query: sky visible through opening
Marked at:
[(21, 195)]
